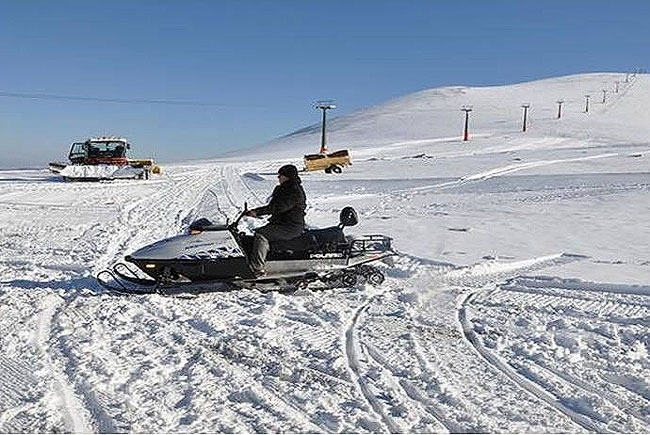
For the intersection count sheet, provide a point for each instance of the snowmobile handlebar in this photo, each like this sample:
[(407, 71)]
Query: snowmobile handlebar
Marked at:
[(235, 224)]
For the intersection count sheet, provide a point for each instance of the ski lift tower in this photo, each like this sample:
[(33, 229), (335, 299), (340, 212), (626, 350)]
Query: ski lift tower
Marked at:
[(324, 105)]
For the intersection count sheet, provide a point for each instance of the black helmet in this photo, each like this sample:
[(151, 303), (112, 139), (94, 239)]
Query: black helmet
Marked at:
[(289, 171)]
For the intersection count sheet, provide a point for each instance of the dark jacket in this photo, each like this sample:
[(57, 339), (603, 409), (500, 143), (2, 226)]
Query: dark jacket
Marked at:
[(287, 205)]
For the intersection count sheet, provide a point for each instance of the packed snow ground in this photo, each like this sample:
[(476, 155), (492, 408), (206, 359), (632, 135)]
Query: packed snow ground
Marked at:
[(519, 301)]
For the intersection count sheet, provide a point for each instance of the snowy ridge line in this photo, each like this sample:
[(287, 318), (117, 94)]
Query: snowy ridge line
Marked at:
[(75, 415), (521, 166), (614, 99), (352, 350), (525, 384)]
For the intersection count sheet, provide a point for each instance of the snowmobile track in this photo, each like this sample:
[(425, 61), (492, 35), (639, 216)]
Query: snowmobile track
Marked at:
[(396, 390), (412, 392), (525, 384), (75, 414), (252, 389), (599, 303), (611, 401), (353, 352)]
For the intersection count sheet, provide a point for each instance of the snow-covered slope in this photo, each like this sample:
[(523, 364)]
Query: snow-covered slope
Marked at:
[(519, 301), (435, 114)]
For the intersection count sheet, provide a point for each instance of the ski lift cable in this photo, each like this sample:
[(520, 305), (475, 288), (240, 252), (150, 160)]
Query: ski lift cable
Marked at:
[(38, 96)]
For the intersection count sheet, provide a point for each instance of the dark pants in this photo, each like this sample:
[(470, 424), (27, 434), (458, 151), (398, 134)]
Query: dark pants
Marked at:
[(266, 235)]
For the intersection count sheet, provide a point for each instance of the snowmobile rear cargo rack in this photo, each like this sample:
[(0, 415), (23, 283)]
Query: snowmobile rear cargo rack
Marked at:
[(370, 244)]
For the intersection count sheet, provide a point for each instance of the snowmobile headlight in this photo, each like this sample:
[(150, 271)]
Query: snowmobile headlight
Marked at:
[(150, 266)]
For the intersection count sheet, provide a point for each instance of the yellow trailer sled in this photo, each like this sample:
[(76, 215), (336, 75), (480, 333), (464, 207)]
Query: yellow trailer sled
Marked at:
[(332, 162)]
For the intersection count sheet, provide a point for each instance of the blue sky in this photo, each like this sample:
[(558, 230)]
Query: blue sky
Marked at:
[(192, 79)]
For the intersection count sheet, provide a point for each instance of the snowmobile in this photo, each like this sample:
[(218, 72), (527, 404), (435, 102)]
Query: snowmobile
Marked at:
[(211, 257)]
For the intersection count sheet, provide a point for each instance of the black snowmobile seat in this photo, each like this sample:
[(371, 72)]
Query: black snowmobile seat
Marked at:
[(325, 240), (295, 245)]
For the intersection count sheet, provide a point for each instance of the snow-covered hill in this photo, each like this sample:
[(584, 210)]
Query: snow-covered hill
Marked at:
[(435, 114), (519, 301)]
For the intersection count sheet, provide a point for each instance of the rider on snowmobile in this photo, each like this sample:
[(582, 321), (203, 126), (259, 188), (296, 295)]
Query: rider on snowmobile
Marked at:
[(287, 221)]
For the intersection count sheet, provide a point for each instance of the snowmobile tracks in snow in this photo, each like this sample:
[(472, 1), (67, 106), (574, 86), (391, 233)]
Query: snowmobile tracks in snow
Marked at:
[(389, 394), (419, 370), (525, 384), (353, 353), (27, 402), (585, 400), (480, 274), (235, 191), (199, 335), (82, 409), (18, 389)]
